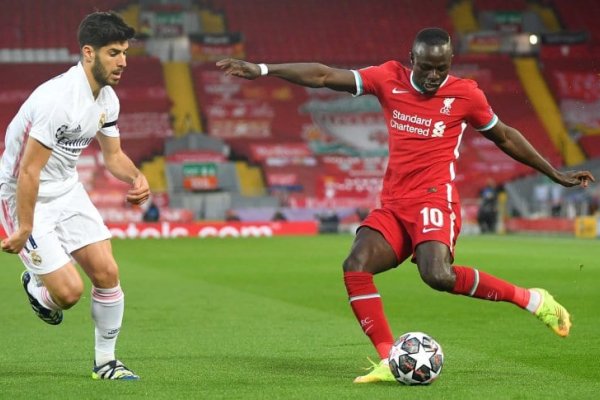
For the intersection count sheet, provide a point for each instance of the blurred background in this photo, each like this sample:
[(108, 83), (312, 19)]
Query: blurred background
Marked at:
[(228, 157)]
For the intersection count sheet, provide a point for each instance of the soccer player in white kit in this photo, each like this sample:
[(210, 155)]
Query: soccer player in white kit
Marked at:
[(48, 217)]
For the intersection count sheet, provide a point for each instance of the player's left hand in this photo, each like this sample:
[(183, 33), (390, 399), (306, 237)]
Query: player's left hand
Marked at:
[(239, 68), (575, 178), (140, 191)]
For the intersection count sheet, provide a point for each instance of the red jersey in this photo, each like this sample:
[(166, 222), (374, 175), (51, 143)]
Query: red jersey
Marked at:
[(424, 130)]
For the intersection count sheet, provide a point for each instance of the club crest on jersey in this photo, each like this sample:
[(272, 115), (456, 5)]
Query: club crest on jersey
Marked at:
[(102, 121), (447, 105)]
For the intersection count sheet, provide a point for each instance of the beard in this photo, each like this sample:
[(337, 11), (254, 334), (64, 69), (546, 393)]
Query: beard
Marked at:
[(101, 75)]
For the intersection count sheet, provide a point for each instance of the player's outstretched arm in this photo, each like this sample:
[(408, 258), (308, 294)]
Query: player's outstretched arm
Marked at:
[(305, 74), (122, 168), (513, 143)]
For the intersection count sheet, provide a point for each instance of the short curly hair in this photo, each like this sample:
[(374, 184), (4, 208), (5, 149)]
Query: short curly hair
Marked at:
[(432, 37)]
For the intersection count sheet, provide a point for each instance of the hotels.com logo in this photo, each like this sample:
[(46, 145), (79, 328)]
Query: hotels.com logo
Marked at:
[(165, 230)]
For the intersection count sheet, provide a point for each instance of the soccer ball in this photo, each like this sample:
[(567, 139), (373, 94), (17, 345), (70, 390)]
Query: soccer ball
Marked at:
[(416, 359)]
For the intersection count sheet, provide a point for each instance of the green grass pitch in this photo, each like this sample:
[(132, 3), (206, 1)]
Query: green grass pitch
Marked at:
[(268, 319)]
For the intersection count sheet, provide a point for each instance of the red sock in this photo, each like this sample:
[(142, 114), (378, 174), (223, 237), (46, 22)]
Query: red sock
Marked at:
[(368, 309), (475, 283)]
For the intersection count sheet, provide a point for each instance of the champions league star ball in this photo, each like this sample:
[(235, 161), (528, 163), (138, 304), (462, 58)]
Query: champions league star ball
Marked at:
[(416, 359)]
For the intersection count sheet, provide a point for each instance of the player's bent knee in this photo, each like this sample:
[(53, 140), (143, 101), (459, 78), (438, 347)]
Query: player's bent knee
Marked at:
[(438, 280), (352, 264), (105, 278), (67, 296)]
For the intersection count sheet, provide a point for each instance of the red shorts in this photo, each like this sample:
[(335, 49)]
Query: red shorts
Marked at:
[(406, 223)]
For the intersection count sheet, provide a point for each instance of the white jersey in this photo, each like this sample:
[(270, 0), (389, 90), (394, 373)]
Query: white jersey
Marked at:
[(62, 115)]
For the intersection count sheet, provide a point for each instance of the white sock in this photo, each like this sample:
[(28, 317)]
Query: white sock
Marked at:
[(108, 306), (41, 294), (535, 299)]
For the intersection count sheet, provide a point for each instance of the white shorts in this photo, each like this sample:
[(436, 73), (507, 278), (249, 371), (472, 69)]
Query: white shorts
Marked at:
[(61, 225)]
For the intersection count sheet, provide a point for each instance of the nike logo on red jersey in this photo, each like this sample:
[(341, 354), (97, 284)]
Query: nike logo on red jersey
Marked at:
[(398, 91)]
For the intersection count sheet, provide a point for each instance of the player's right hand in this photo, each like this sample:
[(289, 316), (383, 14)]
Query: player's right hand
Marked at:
[(239, 68), (576, 178), (15, 242)]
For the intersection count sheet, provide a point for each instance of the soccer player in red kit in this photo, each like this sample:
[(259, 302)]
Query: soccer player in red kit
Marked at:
[(426, 111)]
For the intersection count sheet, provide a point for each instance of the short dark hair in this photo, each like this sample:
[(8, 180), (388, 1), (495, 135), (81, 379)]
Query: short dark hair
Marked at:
[(432, 37), (101, 28)]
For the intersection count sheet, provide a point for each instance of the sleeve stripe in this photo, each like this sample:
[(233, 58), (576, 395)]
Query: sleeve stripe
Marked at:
[(109, 124), (359, 84), (489, 125)]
